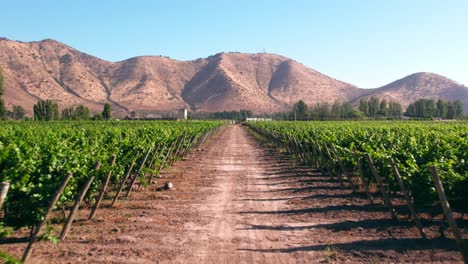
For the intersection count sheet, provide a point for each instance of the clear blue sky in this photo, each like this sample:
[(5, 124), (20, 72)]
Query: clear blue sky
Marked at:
[(365, 42)]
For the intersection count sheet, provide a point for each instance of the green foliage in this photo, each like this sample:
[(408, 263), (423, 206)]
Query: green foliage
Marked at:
[(429, 108), (81, 112), (324, 111), (107, 112), (3, 110), (301, 110), (49, 235), (1, 83), (414, 146), (18, 112), (7, 259), (36, 156), (46, 110), (225, 115), (375, 108)]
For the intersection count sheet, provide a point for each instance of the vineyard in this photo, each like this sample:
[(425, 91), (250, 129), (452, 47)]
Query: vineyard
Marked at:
[(235, 196), (413, 148), (73, 163), (424, 162)]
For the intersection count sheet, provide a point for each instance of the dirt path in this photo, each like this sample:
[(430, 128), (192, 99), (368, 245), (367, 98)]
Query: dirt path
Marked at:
[(238, 202), (241, 170)]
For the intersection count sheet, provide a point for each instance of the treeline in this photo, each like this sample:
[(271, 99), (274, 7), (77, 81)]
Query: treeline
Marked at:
[(430, 108), (323, 111), (47, 110), (374, 108), (371, 108), (232, 115)]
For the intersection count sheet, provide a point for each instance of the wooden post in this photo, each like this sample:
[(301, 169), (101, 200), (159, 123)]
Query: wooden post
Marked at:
[(77, 203), (53, 201), (150, 164), (168, 157), (409, 201), (387, 201), (186, 149), (103, 188), (315, 156), (4, 186), (160, 163), (325, 169), (448, 213), (363, 178), (142, 165), (179, 147), (320, 160), (343, 169), (124, 180), (330, 158)]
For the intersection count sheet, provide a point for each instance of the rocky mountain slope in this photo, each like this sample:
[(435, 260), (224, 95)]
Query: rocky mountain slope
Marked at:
[(227, 81)]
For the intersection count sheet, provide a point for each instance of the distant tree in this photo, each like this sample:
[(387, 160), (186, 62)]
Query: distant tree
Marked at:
[(107, 113), (3, 110), (97, 116), (82, 113), (450, 111), (395, 109), (336, 110), (374, 106), (1, 83), (18, 112), (68, 113), (429, 108), (364, 106), (355, 114), (46, 110), (442, 108), (383, 108), (301, 110), (458, 108), (323, 111), (245, 114)]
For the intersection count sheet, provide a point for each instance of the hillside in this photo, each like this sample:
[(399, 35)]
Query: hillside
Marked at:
[(421, 85), (226, 81)]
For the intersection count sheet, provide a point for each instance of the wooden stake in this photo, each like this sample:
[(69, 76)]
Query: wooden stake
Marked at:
[(142, 165), (387, 201), (53, 201), (127, 174), (4, 186), (343, 169), (103, 188), (77, 203), (150, 164), (320, 160), (363, 178), (409, 201), (160, 163), (330, 158), (448, 213)]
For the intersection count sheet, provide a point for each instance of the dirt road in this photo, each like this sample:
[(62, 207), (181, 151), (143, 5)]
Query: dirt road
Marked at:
[(238, 202)]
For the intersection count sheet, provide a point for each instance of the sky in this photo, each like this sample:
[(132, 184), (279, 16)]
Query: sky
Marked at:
[(368, 43)]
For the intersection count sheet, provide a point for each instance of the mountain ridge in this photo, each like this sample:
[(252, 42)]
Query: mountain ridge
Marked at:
[(260, 82)]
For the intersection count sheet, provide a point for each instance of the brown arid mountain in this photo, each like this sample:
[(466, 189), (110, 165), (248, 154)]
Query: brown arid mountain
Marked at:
[(421, 85), (227, 81)]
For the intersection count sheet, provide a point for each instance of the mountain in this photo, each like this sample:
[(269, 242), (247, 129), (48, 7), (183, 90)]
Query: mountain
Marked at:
[(260, 82), (421, 85)]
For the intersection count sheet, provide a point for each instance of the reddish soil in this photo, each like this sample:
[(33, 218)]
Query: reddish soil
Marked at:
[(236, 201)]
